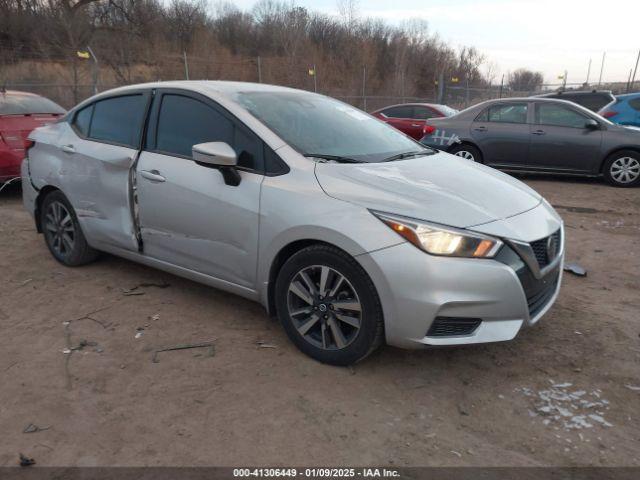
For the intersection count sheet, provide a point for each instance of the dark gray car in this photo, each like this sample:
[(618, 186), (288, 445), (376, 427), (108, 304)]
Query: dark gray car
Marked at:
[(541, 135)]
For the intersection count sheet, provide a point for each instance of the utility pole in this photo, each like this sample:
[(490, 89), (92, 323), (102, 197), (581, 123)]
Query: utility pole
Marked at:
[(604, 55), (633, 80), (364, 84), (501, 86), (94, 70), (259, 70), (315, 79), (186, 65), (564, 80), (629, 81), (588, 73)]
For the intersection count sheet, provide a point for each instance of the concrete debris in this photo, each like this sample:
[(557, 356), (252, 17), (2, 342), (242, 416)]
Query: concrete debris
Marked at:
[(262, 344), (575, 269), (566, 407), (633, 388), (32, 428)]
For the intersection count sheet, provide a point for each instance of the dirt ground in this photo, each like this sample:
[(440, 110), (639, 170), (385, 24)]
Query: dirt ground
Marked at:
[(564, 393)]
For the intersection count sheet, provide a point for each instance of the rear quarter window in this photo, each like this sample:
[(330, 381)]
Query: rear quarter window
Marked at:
[(635, 103), (82, 121)]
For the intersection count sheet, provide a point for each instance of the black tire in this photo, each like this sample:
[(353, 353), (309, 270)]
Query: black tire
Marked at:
[(63, 236), (613, 169), (361, 342), (458, 150)]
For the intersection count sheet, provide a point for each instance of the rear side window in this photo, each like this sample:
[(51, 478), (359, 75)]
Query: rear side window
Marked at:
[(403, 111), (83, 120), (118, 120), (184, 122), (509, 113), (635, 103), (558, 115)]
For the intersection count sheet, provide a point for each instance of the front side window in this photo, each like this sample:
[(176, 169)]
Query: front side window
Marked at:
[(314, 124), (509, 113), (559, 115), (184, 122), (118, 120)]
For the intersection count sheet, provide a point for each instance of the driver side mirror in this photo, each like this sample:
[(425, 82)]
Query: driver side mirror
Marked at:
[(218, 155), (592, 125)]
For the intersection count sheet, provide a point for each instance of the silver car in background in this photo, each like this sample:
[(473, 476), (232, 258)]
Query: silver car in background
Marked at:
[(348, 231)]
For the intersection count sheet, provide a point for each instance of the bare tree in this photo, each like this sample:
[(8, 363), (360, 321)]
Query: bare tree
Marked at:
[(524, 80)]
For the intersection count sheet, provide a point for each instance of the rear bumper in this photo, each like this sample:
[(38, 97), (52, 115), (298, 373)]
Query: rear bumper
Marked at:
[(10, 161), (29, 194)]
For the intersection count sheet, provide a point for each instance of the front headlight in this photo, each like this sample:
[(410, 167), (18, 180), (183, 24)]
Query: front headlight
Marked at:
[(439, 240)]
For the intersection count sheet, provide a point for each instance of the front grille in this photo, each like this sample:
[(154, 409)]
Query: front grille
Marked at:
[(538, 300), (451, 326), (541, 249)]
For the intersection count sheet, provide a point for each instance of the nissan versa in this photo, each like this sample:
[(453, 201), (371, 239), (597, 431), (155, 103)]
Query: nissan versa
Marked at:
[(349, 231)]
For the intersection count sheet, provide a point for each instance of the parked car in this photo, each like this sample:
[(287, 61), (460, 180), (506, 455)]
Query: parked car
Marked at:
[(541, 135), (594, 100), (410, 118), (624, 110), (21, 112), (349, 231)]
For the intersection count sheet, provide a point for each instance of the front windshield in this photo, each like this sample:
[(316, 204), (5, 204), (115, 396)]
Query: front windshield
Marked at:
[(314, 124)]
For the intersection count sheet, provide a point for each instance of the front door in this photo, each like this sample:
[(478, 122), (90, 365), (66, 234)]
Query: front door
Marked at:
[(188, 215), (502, 133), (561, 141)]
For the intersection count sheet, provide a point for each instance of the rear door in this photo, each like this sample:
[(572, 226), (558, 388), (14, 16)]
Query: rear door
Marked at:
[(96, 155), (502, 133), (188, 215), (560, 141)]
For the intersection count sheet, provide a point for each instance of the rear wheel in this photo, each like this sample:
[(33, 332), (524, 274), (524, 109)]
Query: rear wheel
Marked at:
[(328, 306), (622, 169), (468, 152), (62, 231)]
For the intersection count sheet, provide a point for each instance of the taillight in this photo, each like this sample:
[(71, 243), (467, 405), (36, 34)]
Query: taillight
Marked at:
[(27, 145), (609, 113), (428, 130)]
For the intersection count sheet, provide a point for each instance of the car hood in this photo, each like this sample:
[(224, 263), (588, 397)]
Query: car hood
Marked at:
[(440, 188)]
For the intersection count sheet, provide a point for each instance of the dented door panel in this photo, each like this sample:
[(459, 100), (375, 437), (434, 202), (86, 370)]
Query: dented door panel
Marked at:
[(189, 217)]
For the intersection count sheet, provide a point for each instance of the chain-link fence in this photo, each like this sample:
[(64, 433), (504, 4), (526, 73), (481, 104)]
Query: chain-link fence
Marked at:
[(70, 79)]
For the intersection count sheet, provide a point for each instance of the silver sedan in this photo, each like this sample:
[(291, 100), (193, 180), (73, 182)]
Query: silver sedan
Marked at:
[(348, 231)]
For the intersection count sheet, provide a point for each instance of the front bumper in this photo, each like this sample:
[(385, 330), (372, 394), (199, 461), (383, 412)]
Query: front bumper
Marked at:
[(417, 289)]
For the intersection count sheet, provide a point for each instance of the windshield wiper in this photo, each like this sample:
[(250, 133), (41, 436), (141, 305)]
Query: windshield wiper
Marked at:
[(335, 158), (403, 155)]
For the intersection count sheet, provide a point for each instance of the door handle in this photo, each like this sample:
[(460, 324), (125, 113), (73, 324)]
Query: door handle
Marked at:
[(480, 129), (68, 148), (416, 125), (538, 132), (153, 175)]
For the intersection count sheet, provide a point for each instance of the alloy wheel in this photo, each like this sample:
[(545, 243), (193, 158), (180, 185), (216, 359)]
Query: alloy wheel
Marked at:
[(625, 170), (466, 155), (60, 229), (324, 307)]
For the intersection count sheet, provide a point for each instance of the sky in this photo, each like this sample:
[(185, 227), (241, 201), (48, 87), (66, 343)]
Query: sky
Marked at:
[(549, 36)]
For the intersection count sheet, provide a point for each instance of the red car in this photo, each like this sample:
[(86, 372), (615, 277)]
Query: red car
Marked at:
[(410, 118), (21, 112)]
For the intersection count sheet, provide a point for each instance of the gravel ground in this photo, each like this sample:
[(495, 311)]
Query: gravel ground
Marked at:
[(564, 393)]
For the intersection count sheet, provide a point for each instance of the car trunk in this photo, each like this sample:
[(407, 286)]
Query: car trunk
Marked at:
[(14, 129)]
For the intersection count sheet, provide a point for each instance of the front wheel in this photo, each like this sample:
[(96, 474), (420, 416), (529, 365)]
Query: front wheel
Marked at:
[(622, 169), (328, 306), (62, 232)]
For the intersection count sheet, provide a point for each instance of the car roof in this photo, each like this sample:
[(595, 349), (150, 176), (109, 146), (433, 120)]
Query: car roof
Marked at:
[(575, 92), (626, 96), (220, 87)]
